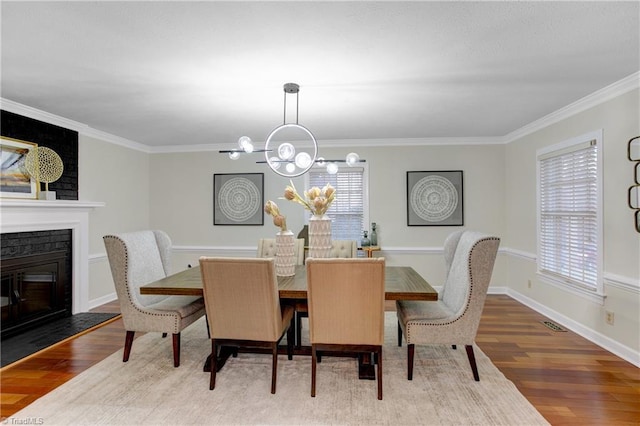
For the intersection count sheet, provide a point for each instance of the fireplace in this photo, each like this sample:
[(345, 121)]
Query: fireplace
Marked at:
[(35, 289), (70, 216)]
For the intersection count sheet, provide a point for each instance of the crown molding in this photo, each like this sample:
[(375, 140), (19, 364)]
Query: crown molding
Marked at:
[(340, 143), (168, 149), (117, 140), (598, 97), (609, 92), (36, 114), (81, 128)]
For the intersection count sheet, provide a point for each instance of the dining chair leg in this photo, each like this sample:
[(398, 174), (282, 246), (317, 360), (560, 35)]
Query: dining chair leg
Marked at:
[(274, 366), (472, 361), (410, 353), (379, 357), (313, 370), (399, 335), (176, 350), (128, 342), (290, 337), (298, 329), (214, 364)]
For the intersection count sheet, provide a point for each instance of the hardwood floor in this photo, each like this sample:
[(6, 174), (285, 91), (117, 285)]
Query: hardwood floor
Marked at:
[(568, 379)]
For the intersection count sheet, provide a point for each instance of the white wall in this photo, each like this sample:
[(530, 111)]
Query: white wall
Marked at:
[(182, 197), (119, 177), (619, 118)]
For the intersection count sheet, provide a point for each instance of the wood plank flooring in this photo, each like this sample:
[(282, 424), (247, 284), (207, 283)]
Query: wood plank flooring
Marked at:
[(568, 379)]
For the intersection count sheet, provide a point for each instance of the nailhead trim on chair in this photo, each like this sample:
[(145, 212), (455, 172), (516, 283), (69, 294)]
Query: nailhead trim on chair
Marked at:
[(408, 331), (126, 257)]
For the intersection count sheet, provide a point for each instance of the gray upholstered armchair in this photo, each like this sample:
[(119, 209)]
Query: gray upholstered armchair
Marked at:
[(138, 258), (455, 317)]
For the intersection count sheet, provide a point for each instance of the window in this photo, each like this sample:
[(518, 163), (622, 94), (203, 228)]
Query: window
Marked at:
[(348, 212), (569, 213)]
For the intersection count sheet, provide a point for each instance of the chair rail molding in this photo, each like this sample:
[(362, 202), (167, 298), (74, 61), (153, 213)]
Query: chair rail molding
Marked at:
[(624, 283), (613, 280)]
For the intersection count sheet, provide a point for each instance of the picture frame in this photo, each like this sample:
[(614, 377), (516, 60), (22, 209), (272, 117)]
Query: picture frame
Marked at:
[(238, 199), (435, 198), (15, 180)]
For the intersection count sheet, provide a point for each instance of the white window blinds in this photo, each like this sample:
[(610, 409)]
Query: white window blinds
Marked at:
[(347, 210), (568, 214)]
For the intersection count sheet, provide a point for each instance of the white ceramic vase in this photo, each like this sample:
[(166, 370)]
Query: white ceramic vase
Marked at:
[(319, 236), (285, 254)]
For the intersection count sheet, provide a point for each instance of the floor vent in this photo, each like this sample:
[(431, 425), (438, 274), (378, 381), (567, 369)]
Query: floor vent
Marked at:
[(552, 325)]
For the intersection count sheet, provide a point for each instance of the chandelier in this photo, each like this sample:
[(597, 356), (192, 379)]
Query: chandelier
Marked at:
[(291, 149)]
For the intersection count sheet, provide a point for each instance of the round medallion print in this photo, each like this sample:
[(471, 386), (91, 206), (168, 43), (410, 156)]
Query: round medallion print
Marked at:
[(239, 199), (434, 198)]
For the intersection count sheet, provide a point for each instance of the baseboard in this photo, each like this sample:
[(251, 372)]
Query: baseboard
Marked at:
[(624, 352), (102, 300)]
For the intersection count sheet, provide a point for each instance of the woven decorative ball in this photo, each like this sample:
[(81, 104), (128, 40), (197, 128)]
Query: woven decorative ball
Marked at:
[(44, 164)]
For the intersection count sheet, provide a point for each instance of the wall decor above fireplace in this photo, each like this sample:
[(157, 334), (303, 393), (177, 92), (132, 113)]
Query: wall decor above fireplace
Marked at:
[(62, 141), (15, 179)]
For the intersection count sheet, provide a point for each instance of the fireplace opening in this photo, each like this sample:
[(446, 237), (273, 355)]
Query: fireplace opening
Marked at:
[(34, 291)]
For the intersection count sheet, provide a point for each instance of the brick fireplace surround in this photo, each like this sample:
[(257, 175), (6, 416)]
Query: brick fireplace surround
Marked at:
[(41, 215)]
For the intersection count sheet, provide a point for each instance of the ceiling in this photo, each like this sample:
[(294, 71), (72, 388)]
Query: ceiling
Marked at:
[(188, 73)]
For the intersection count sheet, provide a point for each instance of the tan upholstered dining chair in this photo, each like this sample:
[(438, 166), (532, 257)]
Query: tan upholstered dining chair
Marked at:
[(243, 308), (346, 308), (139, 258), (455, 317), (267, 248), (344, 249)]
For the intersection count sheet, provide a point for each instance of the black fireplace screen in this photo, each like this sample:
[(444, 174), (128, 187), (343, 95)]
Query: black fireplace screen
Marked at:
[(33, 291)]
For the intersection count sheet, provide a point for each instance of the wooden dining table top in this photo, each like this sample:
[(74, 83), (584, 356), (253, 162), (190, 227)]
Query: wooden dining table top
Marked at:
[(401, 283)]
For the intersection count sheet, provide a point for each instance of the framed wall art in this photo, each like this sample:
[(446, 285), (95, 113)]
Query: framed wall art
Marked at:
[(434, 198), (238, 199), (15, 180)]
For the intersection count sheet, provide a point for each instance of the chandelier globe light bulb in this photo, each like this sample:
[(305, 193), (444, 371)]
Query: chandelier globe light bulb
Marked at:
[(274, 163), (352, 159), (332, 168), (303, 159), (243, 142), (286, 151)]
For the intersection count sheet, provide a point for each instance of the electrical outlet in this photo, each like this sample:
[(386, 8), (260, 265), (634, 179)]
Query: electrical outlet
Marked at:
[(609, 317), (529, 284)]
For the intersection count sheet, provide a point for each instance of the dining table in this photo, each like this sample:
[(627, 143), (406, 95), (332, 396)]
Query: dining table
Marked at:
[(401, 283)]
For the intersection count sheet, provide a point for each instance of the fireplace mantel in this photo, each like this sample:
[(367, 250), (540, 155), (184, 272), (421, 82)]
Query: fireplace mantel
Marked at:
[(42, 215), (49, 204)]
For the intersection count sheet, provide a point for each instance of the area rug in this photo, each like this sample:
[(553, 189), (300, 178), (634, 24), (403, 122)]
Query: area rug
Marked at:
[(149, 390), (27, 343)]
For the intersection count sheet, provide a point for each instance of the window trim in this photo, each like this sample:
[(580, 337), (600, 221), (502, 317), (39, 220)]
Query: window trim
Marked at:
[(594, 294), (365, 192)]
